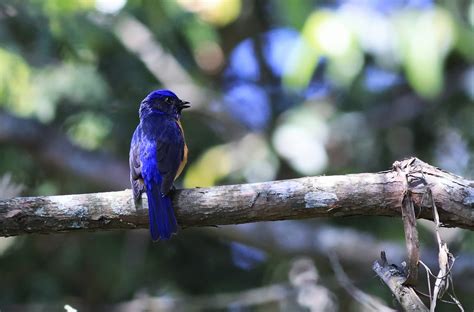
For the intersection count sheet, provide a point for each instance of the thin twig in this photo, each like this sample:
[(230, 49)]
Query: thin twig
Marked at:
[(428, 273), (369, 302), (446, 262)]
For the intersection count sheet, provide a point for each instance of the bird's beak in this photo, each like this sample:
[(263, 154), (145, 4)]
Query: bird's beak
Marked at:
[(184, 104)]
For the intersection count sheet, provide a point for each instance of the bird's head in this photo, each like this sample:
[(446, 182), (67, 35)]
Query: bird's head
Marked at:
[(163, 101)]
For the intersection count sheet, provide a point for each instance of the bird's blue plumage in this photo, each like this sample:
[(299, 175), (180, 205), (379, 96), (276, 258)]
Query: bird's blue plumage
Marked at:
[(160, 94), (157, 150), (161, 214)]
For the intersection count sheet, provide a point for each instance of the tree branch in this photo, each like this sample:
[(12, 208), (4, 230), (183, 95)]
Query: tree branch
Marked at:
[(377, 194), (395, 278)]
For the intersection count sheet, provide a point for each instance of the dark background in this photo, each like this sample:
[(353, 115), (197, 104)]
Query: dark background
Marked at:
[(280, 89)]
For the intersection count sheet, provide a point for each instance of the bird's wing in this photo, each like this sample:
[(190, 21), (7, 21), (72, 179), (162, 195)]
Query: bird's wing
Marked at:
[(135, 165), (170, 153), (134, 159)]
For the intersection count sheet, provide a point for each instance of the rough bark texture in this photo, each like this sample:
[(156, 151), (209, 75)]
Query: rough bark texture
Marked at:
[(394, 278), (376, 194)]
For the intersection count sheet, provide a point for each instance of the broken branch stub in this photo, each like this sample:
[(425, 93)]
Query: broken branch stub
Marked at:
[(394, 278), (409, 223)]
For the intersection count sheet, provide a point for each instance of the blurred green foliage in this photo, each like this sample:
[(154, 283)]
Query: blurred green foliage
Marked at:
[(314, 87)]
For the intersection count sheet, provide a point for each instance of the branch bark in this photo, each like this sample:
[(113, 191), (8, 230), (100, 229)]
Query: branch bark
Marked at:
[(394, 278), (376, 194)]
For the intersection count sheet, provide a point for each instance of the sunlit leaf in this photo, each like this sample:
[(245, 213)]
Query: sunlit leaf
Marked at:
[(425, 39), (217, 12), (213, 165), (80, 83), (53, 7), (14, 83), (249, 159), (325, 35), (88, 130)]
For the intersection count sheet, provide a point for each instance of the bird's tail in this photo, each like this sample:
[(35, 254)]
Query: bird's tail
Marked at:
[(160, 211)]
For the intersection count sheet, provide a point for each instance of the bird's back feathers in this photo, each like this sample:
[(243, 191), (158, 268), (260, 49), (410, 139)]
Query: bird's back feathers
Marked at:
[(156, 154)]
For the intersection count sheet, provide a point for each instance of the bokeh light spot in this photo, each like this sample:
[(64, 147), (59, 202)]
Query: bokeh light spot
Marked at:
[(300, 138), (217, 12), (88, 130), (209, 57), (243, 64), (109, 6), (249, 104)]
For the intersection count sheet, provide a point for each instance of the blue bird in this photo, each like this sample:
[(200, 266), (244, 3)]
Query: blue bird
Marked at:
[(158, 154)]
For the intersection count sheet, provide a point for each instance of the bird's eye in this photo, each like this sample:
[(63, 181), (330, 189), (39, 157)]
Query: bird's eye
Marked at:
[(167, 99)]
